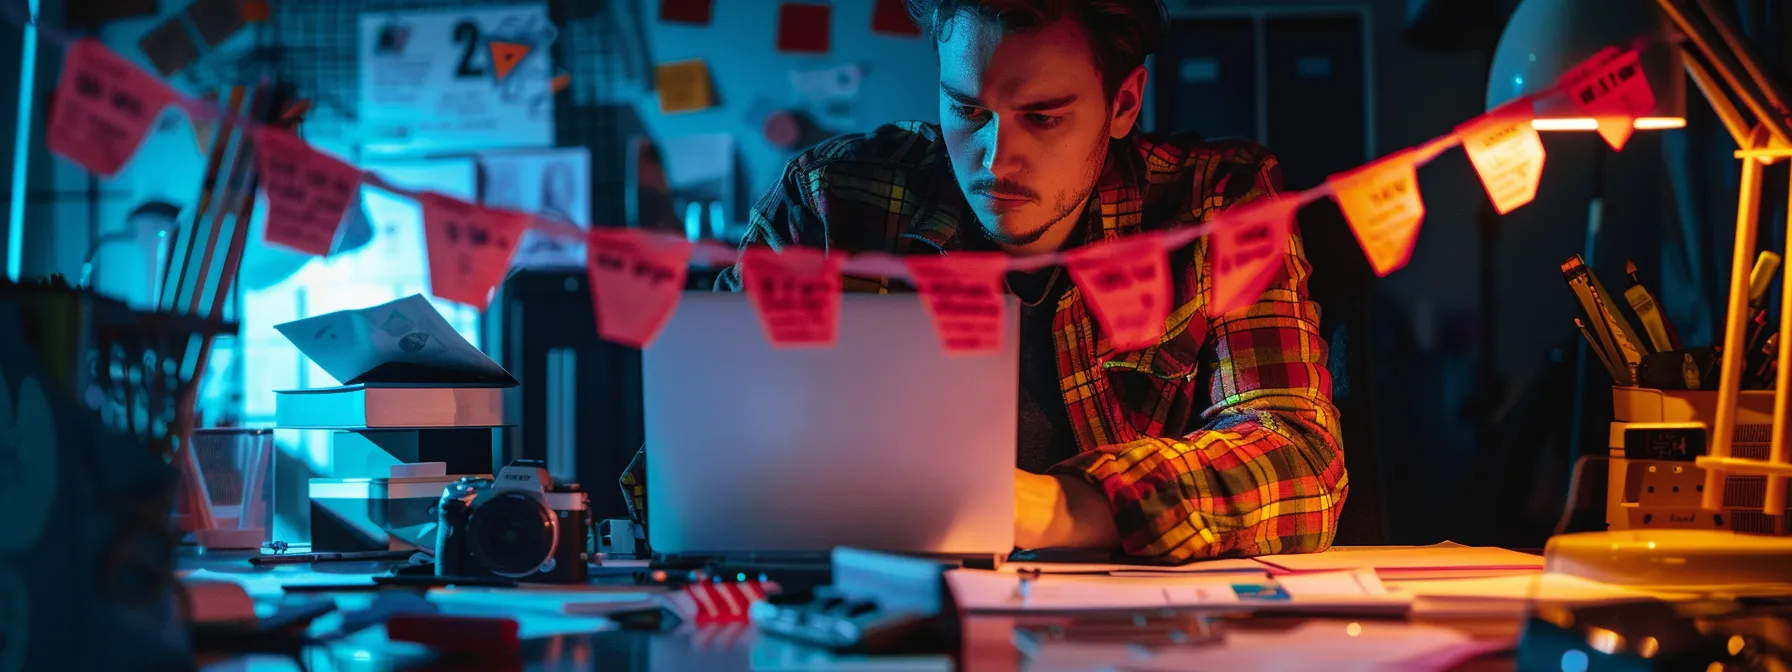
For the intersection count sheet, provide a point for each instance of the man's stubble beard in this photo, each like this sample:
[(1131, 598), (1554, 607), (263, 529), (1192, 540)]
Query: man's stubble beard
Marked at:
[(1066, 206)]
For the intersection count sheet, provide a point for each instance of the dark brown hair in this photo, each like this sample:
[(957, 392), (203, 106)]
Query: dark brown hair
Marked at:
[(1121, 32)]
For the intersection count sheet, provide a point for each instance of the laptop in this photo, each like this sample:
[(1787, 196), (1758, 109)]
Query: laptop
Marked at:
[(882, 442)]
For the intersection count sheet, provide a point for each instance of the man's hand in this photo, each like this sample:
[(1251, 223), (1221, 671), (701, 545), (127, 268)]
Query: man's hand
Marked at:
[(1061, 512)]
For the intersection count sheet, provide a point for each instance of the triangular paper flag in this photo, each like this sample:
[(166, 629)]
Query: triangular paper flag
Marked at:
[(1127, 286), (103, 108), (1248, 250), (635, 282), (1381, 202), (308, 191), (1506, 153), (470, 247), (505, 56), (1612, 88), (796, 293), (963, 293)]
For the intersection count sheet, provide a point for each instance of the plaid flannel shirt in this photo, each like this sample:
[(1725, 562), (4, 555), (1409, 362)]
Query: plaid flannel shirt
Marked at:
[(1221, 439)]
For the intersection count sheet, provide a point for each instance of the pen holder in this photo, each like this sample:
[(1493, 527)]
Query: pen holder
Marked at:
[(1654, 484)]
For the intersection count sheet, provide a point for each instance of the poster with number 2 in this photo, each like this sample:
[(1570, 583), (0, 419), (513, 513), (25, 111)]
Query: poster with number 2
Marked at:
[(473, 79)]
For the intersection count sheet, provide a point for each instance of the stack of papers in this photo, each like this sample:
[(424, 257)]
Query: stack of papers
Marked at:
[(1442, 561), (1008, 592), (1516, 594)]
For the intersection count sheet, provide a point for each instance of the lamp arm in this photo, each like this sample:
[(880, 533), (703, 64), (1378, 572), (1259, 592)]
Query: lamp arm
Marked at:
[(1761, 102), (1732, 118)]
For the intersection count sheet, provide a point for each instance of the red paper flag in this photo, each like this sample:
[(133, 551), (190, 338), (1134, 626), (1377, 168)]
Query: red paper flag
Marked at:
[(470, 247), (1507, 154), (1248, 251), (1127, 285), (103, 108), (890, 17), (796, 293), (308, 191), (1381, 202), (635, 281), (963, 293), (1612, 88), (803, 27)]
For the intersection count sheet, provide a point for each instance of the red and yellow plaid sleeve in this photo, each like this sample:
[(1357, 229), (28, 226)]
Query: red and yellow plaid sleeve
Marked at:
[(1264, 473)]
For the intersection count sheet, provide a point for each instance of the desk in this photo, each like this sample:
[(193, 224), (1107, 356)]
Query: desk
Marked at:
[(988, 641)]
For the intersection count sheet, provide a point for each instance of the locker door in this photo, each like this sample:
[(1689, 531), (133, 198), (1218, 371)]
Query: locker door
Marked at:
[(1206, 78), (1317, 107)]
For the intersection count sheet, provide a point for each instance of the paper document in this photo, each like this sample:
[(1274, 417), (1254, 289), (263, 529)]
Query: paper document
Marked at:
[(571, 600), (1334, 646), (1228, 565), (1516, 593), (996, 591), (404, 341), (1440, 561)]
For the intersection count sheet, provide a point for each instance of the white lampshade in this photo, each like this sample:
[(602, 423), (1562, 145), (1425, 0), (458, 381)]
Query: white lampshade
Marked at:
[(1546, 38)]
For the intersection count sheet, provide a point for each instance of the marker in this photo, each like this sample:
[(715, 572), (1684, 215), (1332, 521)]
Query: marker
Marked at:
[(1655, 325)]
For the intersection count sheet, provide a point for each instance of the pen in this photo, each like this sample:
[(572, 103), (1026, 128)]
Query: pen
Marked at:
[(1596, 349), (1655, 325)]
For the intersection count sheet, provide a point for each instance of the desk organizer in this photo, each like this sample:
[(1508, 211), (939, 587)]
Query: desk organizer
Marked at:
[(1672, 428)]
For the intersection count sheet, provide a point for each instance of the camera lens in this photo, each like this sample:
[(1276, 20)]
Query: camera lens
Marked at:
[(512, 533)]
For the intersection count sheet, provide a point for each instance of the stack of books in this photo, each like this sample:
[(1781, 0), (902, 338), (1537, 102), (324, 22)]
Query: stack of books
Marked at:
[(414, 395)]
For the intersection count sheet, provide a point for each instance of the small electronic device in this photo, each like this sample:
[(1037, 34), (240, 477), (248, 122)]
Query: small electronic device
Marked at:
[(879, 603), (520, 525)]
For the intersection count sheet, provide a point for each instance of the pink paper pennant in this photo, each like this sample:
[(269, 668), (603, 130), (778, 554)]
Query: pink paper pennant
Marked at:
[(1127, 285), (796, 293), (470, 247), (963, 294), (1248, 250), (308, 192), (635, 282), (104, 106)]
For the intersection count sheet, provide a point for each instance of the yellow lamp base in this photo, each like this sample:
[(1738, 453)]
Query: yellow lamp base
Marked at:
[(1674, 560)]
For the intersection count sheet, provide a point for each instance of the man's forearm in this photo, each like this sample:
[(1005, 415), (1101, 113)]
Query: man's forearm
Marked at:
[(1062, 511)]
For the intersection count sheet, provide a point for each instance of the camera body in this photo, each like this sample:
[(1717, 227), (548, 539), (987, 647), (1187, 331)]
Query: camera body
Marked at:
[(519, 525)]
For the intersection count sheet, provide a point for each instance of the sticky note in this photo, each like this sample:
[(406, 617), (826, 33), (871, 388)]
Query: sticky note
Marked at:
[(1506, 153), (686, 11), (635, 282), (103, 108), (170, 47), (1612, 88), (683, 86), (963, 294), (470, 247), (1127, 286), (308, 191), (890, 17), (796, 294), (1247, 252), (803, 27), (1381, 202)]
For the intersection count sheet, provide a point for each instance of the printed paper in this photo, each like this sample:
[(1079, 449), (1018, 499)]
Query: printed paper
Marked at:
[(796, 293), (1248, 252), (1612, 88), (963, 293), (104, 107), (401, 336), (683, 86), (1381, 202), (1127, 285), (469, 247), (635, 282), (1507, 154), (308, 192)]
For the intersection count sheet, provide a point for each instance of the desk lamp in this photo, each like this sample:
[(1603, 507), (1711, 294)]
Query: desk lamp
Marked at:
[(1543, 40)]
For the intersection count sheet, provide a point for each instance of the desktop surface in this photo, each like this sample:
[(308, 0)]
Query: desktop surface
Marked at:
[(882, 442)]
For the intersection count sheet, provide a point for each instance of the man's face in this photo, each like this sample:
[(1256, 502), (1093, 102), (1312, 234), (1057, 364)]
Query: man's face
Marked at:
[(1026, 123)]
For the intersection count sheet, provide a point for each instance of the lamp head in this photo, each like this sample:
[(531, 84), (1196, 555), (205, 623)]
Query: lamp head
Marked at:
[(1545, 39)]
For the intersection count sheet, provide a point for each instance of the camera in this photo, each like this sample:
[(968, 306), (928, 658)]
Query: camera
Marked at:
[(519, 525)]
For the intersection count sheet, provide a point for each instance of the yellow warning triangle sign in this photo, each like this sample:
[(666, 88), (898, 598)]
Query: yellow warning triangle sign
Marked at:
[(505, 56)]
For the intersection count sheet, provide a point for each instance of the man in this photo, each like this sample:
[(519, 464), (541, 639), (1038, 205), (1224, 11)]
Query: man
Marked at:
[(1221, 439)]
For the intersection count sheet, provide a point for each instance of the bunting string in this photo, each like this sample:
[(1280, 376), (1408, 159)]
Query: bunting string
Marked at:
[(105, 106)]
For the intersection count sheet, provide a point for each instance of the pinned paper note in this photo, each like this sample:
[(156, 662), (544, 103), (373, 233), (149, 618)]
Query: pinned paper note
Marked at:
[(803, 27), (683, 86), (308, 191), (1247, 252), (1127, 285), (964, 295), (635, 282), (104, 107), (796, 294), (1381, 202), (890, 17), (1507, 154), (469, 247), (1612, 88)]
